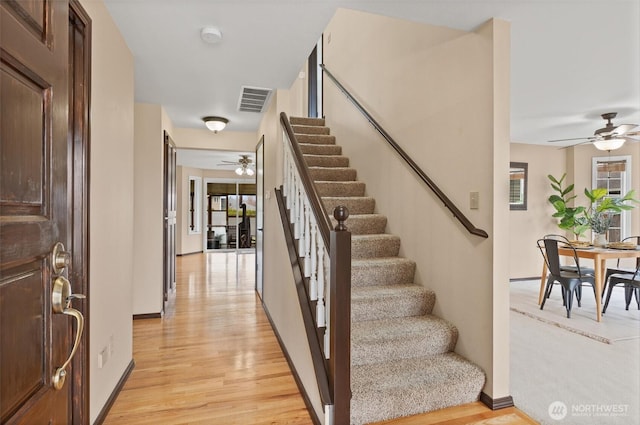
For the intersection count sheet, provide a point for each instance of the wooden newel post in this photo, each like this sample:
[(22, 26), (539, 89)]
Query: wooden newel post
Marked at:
[(340, 318)]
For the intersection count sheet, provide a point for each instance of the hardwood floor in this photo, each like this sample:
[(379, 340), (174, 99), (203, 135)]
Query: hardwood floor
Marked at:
[(214, 359)]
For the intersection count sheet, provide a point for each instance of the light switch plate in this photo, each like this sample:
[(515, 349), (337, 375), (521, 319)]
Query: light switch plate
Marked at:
[(474, 200)]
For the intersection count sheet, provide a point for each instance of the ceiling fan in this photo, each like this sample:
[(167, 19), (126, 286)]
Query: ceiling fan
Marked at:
[(245, 165), (609, 137)]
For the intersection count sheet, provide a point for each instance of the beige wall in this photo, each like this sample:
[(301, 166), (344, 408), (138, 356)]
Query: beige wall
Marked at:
[(148, 231), (111, 204), (443, 95), (196, 138), (525, 227)]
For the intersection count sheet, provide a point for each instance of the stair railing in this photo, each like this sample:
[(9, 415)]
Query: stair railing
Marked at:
[(324, 259), (421, 174)]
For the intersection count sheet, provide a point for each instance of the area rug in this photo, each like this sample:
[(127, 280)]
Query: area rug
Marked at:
[(616, 325)]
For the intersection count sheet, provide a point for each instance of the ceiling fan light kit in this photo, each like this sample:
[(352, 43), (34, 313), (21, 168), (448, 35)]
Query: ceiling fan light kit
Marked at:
[(215, 124), (609, 144), (610, 137), (244, 170)]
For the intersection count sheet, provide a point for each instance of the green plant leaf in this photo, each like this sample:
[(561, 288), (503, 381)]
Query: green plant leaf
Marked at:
[(567, 190)]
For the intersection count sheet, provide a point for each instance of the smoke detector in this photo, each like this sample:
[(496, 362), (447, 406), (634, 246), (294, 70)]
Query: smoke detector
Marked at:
[(211, 35)]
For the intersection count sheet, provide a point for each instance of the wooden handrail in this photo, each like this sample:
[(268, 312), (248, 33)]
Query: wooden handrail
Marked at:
[(324, 223), (430, 183)]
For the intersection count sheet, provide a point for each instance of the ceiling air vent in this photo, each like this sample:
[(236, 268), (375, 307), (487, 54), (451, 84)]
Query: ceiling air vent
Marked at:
[(253, 99)]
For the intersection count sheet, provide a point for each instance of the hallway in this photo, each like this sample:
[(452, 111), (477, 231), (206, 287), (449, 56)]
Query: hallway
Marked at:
[(213, 358)]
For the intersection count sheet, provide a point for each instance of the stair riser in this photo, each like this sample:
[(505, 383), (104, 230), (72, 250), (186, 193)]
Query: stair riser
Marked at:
[(387, 274), (387, 247), (355, 205), (332, 174), (320, 149), (316, 139), (340, 189), (310, 129), (326, 161), (368, 224), (307, 121), (402, 348), (396, 306)]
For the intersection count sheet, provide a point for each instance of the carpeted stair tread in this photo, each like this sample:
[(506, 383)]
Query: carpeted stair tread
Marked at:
[(313, 149), (332, 173), (379, 245), (364, 224), (306, 121), (352, 188), (386, 301), (326, 160), (310, 129), (382, 271), (398, 388), (316, 139), (376, 341)]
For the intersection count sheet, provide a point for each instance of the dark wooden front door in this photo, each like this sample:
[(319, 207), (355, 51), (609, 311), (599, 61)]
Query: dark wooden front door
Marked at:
[(35, 205)]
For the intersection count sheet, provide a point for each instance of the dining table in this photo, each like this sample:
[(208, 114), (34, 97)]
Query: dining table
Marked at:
[(599, 255)]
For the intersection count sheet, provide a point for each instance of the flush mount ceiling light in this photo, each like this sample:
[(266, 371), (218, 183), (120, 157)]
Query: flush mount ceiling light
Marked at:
[(609, 144), (211, 35), (215, 124)]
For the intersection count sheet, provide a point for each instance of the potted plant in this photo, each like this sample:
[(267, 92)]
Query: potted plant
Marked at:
[(571, 218), (602, 209), (596, 217)]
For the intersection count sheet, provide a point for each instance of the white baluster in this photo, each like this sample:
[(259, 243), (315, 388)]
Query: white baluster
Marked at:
[(320, 307), (313, 281), (303, 228), (293, 212), (307, 238), (327, 344)]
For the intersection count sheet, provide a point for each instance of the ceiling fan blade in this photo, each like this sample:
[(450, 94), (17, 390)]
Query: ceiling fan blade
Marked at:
[(624, 129), (587, 139), (630, 139), (576, 144)]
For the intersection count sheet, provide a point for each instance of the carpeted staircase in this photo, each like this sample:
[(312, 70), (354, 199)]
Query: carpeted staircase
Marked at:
[(401, 355)]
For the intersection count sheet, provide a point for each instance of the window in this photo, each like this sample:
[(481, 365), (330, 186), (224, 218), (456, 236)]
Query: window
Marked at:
[(195, 205), (518, 185), (614, 174)]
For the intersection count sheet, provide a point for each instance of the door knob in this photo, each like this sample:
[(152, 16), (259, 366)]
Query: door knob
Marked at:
[(61, 304)]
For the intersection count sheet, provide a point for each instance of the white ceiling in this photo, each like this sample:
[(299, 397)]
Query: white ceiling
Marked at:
[(210, 159), (571, 60)]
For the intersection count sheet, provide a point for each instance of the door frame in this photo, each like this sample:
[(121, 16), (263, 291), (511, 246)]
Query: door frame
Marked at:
[(259, 217), (79, 143), (169, 218)]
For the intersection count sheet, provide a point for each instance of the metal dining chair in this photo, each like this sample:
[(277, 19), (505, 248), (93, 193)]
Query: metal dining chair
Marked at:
[(627, 276), (569, 280), (573, 268)]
